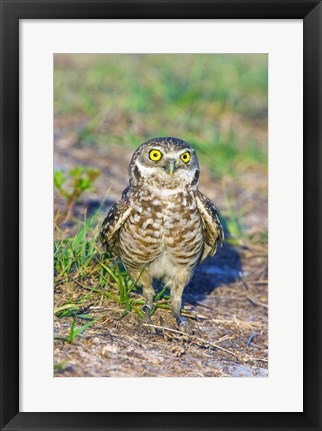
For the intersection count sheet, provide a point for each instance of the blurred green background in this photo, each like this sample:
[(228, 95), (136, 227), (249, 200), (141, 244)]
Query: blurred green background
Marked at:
[(216, 102)]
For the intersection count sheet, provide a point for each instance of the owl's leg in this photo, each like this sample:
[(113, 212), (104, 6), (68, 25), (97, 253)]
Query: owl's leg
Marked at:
[(148, 293), (176, 301), (177, 287)]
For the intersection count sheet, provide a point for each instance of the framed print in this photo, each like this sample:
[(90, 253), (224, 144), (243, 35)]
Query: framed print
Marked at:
[(156, 268)]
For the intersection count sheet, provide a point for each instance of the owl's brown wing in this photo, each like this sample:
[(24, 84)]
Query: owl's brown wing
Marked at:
[(114, 220), (212, 228)]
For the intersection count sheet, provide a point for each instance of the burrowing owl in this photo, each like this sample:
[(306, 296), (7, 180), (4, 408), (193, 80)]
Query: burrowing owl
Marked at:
[(162, 226)]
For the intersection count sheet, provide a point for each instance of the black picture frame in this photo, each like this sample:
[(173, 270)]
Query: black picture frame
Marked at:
[(11, 12)]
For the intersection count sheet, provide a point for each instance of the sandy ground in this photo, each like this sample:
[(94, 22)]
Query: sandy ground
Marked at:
[(226, 301)]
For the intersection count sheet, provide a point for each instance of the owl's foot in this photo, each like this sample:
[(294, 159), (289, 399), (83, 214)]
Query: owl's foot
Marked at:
[(183, 324), (147, 316), (147, 312)]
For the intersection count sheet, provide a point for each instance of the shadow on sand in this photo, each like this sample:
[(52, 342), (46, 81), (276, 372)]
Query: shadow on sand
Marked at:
[(222, 269)]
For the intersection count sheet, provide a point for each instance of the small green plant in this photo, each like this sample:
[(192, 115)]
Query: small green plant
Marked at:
[(124, 286), (74, 183), (75, 332)]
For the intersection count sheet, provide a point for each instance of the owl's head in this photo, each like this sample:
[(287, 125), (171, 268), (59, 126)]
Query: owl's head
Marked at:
[(165, 162)]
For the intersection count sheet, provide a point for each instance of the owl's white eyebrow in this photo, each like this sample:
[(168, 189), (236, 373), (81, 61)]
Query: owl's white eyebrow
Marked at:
[(185, 151), (157, 148)]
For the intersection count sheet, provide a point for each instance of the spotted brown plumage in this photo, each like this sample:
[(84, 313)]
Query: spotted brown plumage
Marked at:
[(163, 226)]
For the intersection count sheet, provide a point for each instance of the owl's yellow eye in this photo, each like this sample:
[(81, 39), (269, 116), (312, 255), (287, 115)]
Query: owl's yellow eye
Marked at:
[(155, 155), (185, 157)]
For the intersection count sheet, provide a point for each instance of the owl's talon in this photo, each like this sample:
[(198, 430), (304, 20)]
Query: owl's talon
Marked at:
[(147, 316), (183, 324), (147, 312), (181, 320), (186, 328)]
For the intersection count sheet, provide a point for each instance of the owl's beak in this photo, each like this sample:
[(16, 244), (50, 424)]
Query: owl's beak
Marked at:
[(170, 168)]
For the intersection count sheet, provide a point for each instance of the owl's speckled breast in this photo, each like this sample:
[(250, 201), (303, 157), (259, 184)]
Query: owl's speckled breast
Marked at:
[(164, 229)]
